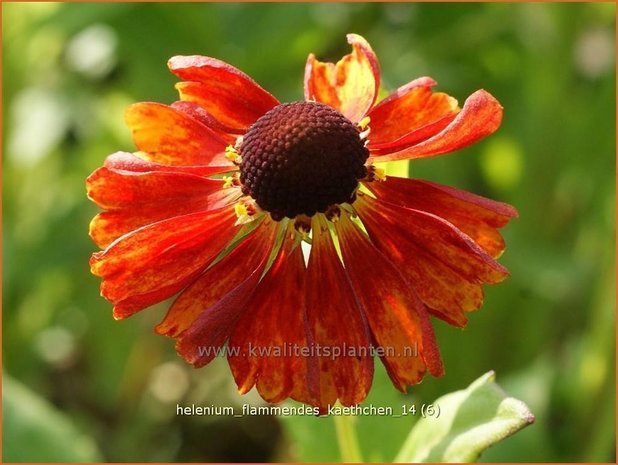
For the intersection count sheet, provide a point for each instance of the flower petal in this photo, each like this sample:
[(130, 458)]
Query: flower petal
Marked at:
[(351, 86), (478, 217), (397, 318), (337, 324), (480, 116), (267, 343), (228, 94), (245, 260), (138, 198), (158, 260), (124, 161), (203, 116), (445, 266), (108, 226), (114, 189), (204, 339), (447, 294), (410, 114), (172, 137), (440, 239)]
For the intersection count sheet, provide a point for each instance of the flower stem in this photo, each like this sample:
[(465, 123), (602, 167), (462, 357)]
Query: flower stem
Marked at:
[(346, 437)]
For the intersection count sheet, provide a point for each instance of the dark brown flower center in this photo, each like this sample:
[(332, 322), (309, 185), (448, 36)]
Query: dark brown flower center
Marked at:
[(300, 158)]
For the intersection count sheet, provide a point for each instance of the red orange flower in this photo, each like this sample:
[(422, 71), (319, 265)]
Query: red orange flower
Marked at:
[(228, 183)]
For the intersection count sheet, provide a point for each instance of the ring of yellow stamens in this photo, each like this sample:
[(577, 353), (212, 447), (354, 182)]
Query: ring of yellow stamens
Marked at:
[(301, 157)]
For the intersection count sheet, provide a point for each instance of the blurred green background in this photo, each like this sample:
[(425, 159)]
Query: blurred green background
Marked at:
[(79, 386)]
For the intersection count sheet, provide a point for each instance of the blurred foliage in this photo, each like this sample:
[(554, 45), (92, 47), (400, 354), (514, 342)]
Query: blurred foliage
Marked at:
[(70, 69), (32, 421)]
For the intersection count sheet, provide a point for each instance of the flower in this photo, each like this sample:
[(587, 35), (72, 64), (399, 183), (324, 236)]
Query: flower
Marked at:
[(229, 186)]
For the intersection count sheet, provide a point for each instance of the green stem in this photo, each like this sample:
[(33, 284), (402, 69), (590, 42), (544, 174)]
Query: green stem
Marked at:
[(346, 437)]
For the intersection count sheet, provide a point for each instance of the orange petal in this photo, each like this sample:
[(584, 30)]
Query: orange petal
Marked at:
[(410, 114), (204, 339), (444, 265), (306, 386), (115, 189), (267, 343), (480, 116), (172, 137), (162, 256), (203, 116), (351, 86), (124, 161), (228, 94), (108, 226), (337, 324), (447, 294), (478, 217), (245, 260), (397, 318), (439, 238), (140, 192)]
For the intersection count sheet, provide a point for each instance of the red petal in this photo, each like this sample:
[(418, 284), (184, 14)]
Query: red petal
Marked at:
[(203, 116), (337, 324), (141, 198), (162, 256), (272, 332), (480, 116), (228, 94), (108, 226), (351, 86), (113, 189), (172, 137), (245, 260), (447, 294), (409, 115), (476, 216), (204, 339), (443, 264), (123, 161), (397, 318), (440, 239)]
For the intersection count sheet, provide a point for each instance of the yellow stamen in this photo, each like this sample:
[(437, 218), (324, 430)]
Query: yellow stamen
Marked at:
[(245, 210), (228, 181), (364, 123), (240, 209), (379, 174), (232, 154)]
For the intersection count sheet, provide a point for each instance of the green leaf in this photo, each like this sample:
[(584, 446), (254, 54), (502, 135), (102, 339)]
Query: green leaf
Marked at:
[(34, 431), (465, 423)]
